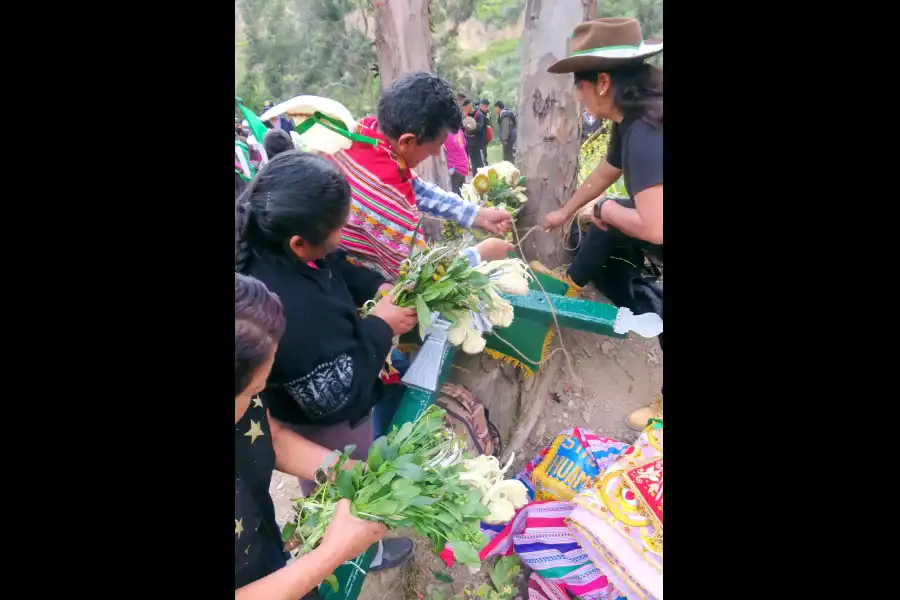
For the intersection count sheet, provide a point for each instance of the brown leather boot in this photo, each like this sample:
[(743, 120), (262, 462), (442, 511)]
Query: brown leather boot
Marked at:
[(639, 418)]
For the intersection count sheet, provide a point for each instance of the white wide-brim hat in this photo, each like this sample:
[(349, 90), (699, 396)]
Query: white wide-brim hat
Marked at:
[(317, 138)]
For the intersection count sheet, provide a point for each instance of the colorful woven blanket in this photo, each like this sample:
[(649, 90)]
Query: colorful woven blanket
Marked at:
[(619, 520), (538, 534)]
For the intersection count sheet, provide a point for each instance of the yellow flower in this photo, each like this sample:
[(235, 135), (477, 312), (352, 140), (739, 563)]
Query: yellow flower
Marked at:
[(482, 183)]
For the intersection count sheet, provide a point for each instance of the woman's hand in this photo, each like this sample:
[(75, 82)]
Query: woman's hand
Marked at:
[(600, 223), (554, 219), (493, 249), (349, 536), (400, 320), (493, 220)]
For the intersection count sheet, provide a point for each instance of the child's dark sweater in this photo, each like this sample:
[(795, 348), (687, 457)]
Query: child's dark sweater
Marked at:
[(327, 364)]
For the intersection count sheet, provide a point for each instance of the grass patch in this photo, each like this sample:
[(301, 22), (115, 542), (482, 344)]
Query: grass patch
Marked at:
[(494, 152)]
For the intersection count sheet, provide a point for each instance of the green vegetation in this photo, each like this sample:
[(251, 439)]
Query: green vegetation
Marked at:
[(293, 47), (496, 71), (284, 48), (499, 13), (502, 584), (494, 152)]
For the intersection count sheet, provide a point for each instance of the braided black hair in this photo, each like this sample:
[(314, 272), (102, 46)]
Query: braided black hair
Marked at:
[(295, 193)]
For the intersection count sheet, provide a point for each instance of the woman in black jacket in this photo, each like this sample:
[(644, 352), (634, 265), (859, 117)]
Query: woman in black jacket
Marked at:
[(324, 380), (325, 376)]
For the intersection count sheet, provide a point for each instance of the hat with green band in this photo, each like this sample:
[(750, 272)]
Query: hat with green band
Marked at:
[(335, 125), (605, 44), (323, 125)]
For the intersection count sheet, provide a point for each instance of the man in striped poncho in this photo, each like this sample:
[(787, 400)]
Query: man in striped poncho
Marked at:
[(415, 115)]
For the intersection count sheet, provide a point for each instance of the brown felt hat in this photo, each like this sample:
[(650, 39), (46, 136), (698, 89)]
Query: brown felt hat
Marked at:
[(605, 44)]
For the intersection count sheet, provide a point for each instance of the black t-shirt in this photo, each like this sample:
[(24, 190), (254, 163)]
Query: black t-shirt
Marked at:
[(257, 540), (636, 147)]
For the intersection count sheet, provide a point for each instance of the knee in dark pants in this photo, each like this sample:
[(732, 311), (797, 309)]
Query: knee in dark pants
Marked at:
[(596, 247)]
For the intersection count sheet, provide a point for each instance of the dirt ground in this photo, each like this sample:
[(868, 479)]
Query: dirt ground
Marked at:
[(618, 376)]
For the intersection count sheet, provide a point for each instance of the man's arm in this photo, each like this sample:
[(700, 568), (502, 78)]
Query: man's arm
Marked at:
[(294, 454), (435, 201), (446, 205), (644, 222)]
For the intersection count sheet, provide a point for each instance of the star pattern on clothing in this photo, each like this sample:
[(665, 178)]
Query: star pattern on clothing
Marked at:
[(255, 431), (257, 402), (239, 526)]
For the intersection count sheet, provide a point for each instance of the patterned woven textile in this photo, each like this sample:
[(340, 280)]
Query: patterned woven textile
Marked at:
[(541, 589), (383, 212), (539, 535), (604, 450), (619, 520)]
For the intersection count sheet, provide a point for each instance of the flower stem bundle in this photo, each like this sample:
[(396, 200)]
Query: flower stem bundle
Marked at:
[(412, 478), (441, 280), (499, 185)]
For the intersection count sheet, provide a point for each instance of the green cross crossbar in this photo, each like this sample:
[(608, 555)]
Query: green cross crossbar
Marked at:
[(571, 313)]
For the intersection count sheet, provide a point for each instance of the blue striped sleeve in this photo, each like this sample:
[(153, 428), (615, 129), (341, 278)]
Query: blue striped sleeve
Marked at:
[(433, 200), (472, 254)]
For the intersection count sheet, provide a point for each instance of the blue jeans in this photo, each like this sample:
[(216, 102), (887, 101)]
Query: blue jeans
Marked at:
[(383, 412)]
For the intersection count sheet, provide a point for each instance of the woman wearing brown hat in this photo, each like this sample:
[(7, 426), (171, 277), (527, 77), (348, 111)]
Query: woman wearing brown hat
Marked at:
[(614, 82)]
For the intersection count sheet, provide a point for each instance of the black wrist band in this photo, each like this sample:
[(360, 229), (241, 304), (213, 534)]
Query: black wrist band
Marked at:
[(598, 206)]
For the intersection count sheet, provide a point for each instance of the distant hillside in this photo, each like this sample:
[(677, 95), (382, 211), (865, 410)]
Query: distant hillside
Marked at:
[(289, 47)]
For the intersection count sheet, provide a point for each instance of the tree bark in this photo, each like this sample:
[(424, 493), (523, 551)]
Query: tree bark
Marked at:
[(549, 121), (403, 42), (548, 142)]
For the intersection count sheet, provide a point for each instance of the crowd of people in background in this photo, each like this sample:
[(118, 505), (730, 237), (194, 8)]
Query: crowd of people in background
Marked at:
[(478, 133), (316, 237)]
